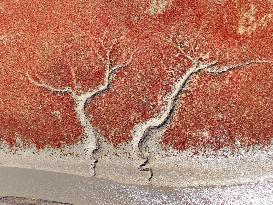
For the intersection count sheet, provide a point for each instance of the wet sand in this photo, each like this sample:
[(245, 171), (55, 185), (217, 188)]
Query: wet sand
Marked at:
[(81, 190)]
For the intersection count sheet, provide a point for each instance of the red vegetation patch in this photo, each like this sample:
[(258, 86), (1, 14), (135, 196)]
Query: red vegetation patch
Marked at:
[(222, 110), (55, 41)]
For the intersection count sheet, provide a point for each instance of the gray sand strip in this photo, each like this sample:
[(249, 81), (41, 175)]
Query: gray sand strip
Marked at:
[(80, 190)]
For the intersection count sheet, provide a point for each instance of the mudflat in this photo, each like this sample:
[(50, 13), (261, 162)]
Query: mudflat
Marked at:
[(79, 190)]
